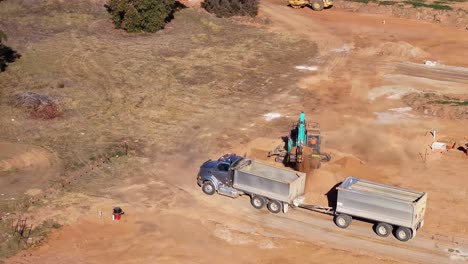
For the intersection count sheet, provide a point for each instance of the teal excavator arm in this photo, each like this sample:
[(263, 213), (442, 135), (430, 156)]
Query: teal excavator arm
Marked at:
[(301, 131), (298, 136)]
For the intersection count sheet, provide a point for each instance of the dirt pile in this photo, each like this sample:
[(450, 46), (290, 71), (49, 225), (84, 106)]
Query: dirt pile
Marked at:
[(320, 187), (401, 50), (442, 106), (23, 167), (458, 17)]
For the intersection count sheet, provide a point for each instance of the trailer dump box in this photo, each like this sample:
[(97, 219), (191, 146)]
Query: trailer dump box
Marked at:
[(381, 203), (261, 178)]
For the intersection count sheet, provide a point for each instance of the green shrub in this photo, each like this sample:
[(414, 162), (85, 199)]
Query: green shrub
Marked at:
[(416, 3), (229, 8), (7, 54), (387, 2), (141, 15)]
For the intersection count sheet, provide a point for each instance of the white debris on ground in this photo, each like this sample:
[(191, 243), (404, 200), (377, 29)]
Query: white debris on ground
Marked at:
[(307, 68), (393, 115), (438, 146), (271, 116), (431, 63), (344, 48), (393, 92)]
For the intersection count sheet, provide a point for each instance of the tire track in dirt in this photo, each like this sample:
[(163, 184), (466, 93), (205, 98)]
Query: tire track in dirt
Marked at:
[(441, 73)]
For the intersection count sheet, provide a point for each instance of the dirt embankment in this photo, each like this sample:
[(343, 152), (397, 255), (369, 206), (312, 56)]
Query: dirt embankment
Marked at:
[(437, 105), (456, 17), (26, 168)]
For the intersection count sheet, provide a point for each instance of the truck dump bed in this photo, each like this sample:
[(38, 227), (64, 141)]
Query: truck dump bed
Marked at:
[(261, 178), (382, 203)]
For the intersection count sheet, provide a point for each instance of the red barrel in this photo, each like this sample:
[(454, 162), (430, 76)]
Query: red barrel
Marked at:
[(117, 214)]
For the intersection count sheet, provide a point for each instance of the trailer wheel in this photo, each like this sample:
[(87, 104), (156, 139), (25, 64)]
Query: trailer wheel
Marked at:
[(343, 220), (383, 229), (274, 206), (257, 201), (403, 234), (317, 5), (208, 188)]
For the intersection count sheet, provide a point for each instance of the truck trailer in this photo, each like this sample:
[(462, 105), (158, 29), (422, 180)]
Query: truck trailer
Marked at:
[(390, 208)]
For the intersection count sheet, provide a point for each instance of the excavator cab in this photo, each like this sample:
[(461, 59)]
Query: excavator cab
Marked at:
[(314, 138)]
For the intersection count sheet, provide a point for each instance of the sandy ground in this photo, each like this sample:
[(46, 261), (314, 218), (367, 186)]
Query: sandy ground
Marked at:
[(26, 169), (363, 71)]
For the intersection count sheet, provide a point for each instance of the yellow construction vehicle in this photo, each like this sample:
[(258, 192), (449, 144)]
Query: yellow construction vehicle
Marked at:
[(317, 5)]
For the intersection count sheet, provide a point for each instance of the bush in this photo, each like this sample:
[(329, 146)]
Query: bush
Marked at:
[(7, 54), (141, 15), (229, 8)]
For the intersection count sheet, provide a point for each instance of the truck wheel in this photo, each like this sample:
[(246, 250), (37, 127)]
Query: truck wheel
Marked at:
[(257, 201), (274, 206), (403, 234), (317, 5), (343, 220), (208, 188), (383, 229)]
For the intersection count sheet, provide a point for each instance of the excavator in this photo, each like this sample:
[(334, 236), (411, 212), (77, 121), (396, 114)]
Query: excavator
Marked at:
[(302, 147)]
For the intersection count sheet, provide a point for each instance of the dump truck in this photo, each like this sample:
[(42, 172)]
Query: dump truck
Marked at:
[(267, 185), (390, 208)]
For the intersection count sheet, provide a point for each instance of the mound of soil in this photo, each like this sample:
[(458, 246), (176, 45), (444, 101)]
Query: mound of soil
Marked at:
[(400, 50), (441, 106), (24, 167), (456, 17)]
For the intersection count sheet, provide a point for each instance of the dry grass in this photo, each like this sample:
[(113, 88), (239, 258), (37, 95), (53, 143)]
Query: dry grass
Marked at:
[(147, 87), (165, 93)]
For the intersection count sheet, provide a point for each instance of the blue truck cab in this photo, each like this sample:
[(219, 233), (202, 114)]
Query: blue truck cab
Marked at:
[(214, 173)]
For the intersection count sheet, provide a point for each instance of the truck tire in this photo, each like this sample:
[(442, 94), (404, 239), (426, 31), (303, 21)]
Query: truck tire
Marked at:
[(258, 202), (403, 234), (208, 188), (383, 229), (274, 206), (317, 5), (343, 220)]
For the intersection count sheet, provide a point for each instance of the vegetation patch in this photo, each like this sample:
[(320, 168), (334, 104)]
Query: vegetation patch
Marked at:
[(453, 102), (229, 8), (415, 3), (7, 54), (141, 15), (387, 2)]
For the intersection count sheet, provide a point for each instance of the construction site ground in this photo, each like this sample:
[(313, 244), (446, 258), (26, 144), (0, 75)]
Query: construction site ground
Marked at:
[(156, 106)]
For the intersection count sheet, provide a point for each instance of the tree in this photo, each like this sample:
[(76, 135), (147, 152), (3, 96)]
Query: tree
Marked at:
[(229, 8), (141, 15), (7, 54)]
